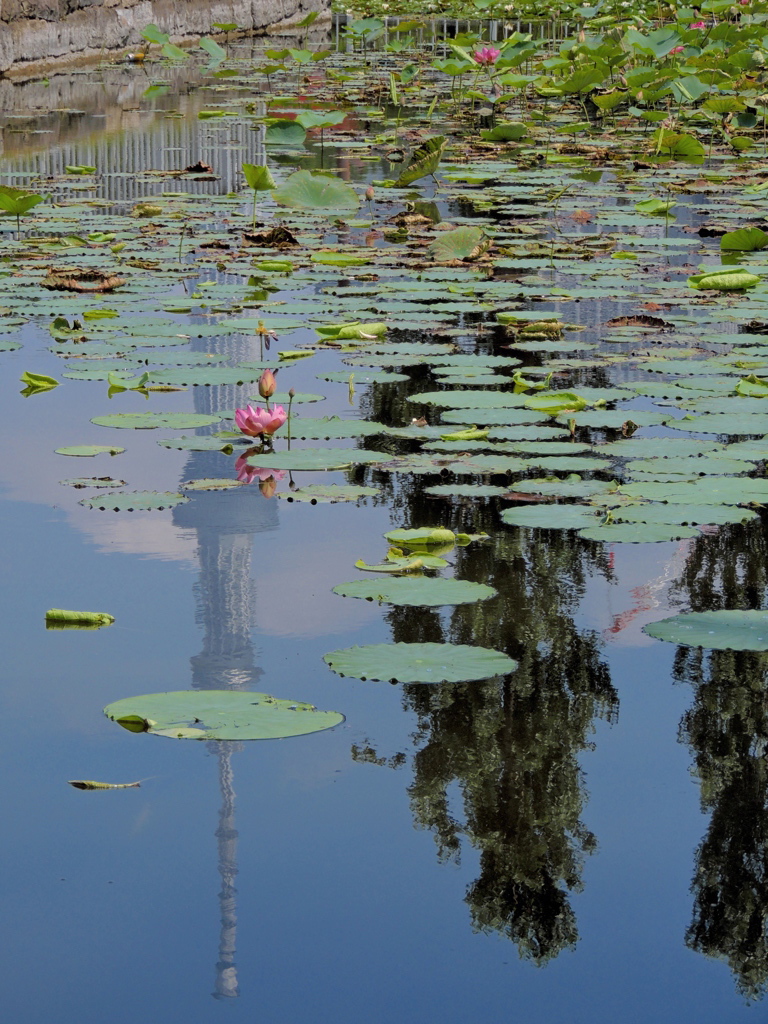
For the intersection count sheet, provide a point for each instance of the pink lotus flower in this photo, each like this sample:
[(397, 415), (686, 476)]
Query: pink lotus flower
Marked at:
[(698, 24), (255, 422), (488, 55), (677, 49)]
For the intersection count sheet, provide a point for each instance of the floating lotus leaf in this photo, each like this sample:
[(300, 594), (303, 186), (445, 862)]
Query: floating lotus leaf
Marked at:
[(492, 417), (427, 537), (220, 715), (637, 533), (309, 191), (715, 630), (92, 481), (572, 487), (566, 463), (89, 450), (738, 424), (202, 376), (331, 427), (134, 501), (659, 447), (420, 663), (526, 433), (360, 377), (614, 418), (684, 515), (328, 494), (9, 346), (212, 484), (691, 465), (316, 458), (550, 517), (203, 443), (152, 420), (465, 490), (722, 490), (470, 399), (417, 591)]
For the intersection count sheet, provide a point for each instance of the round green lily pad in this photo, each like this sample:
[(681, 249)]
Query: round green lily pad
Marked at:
[(417, 591), (219, 715), (420, 663), (550, 517), (465, 490), (151, 420), (715, 631), (316, 458), (89, 450), (637, 533), (328, 494), (134, 501)]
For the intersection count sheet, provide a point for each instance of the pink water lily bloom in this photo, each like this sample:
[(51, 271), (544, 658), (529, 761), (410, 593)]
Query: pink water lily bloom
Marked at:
[(698, 24), (677, 49), (255, 422), (488, 55)]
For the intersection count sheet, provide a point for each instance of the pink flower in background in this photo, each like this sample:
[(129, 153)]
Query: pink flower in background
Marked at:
[(488, 55), (677, 49), (255, 422), (698, 24)]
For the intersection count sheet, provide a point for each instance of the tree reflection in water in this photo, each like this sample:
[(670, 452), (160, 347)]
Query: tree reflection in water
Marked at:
[(727, 731), (512, 745)]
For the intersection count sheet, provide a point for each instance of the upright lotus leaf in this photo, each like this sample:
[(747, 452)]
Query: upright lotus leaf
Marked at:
[(259, 178), (61, 618), (15, 202), (556, 402), (420, 663), (284, 131), (715, 631), (466, 243), (424, 160), (220, 715), (744, 239), (307, 191)]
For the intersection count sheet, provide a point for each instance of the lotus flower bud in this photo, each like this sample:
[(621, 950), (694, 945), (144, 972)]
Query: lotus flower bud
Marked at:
[(267, 384), (370, 194)]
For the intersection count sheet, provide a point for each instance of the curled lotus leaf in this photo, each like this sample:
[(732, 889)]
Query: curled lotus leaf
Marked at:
[(420, 663)]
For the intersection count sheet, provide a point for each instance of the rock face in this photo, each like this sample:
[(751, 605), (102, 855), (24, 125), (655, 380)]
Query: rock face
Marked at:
[(38, 36)]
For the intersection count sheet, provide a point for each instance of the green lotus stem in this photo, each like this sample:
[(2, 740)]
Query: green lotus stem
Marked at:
[(291, 393)]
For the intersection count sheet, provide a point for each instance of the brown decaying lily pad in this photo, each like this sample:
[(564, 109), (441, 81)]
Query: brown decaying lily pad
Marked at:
[(75, 279)]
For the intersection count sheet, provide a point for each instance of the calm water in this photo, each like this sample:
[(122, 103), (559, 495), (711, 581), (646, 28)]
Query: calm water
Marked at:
[(527, 849)]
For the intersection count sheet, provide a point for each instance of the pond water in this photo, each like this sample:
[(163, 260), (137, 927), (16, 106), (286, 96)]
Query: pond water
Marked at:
[(582, 839)]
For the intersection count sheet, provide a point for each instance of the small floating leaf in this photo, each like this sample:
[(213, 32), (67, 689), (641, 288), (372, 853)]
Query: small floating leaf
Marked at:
[(90, 784)]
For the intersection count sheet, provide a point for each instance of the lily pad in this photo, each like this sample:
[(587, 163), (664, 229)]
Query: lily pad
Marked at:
[(220, 715), (152, 420), (134, 501), (550, 517), (328, 494), (722, 630), (317, 458), (212, 484), (637, 533), (416, 591), (420, 663), (87, 451)]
